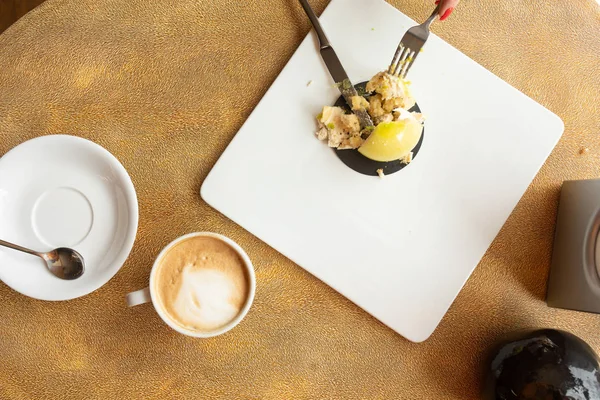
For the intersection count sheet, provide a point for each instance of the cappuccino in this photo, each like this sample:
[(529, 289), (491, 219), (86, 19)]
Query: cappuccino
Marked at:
[(201, 283)]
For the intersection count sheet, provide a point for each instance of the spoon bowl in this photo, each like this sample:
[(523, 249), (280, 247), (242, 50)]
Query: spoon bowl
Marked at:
[(64, 263)]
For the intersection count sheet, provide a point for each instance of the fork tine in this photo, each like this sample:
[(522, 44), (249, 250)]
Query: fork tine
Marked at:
[(398, 64), (414, 38), (407, 64), (395, 59), (402, 61), (408, 67)]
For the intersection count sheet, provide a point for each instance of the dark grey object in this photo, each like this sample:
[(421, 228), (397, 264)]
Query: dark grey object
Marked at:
[(574, 282)]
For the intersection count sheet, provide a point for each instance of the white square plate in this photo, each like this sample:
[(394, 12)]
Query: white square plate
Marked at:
[(402, 247)]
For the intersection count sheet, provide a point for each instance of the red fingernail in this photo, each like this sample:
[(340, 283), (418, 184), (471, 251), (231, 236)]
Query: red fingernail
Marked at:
[(447, 13), (437, 2)]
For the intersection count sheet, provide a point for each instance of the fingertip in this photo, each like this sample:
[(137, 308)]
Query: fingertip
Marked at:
[(446, 14)]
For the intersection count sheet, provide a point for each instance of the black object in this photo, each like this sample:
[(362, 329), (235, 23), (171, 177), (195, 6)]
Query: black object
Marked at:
[(544, 365), (359, 163)]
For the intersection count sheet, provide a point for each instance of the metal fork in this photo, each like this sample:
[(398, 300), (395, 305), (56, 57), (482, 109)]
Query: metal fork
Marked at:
[(410, 46)]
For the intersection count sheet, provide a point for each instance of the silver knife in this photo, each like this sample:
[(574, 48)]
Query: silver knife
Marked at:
[(335, 67)]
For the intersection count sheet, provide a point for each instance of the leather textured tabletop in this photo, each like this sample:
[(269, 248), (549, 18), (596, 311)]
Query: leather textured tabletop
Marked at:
[(164, 86)]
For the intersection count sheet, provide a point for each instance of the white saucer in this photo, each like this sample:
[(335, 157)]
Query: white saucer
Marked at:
[(64, 191)]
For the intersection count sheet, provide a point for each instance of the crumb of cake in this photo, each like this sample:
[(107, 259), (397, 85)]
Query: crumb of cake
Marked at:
[(359, 102), (353, 142), (309, 83), (390, 86), (390, 104), (383, 118), (407, 158), (390, 92), (584, 150), (380, 173), (365, 133), (419, 116), (375, 106), (339, 129), (400, 114)]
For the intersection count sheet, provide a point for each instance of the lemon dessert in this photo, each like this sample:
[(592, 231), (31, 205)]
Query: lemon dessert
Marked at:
[(396, 133)]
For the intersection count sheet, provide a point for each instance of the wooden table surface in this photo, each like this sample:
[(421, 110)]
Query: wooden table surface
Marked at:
[(147, 80)]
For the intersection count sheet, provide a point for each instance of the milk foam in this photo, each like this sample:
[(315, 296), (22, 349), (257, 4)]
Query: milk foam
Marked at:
[(205, 298)]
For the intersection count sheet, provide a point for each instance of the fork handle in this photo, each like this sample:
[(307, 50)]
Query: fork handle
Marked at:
[(323, 41), (432, 17)]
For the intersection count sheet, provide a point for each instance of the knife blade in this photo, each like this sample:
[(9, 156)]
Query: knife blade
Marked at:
[(344, 84), (334, 65)]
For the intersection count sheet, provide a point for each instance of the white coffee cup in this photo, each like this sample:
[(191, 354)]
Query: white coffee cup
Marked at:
[(148, 294)]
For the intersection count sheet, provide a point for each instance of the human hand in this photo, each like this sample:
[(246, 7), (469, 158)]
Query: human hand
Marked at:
[(446, 8)]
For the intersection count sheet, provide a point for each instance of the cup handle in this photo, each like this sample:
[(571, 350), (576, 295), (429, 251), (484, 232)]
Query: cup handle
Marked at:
[(139, 297)]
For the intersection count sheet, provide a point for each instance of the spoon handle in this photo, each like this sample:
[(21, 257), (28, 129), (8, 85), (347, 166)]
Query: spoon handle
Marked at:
[(19, 248)]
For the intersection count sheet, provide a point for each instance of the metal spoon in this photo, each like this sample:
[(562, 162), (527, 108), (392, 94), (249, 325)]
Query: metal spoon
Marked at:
[(63, 262)]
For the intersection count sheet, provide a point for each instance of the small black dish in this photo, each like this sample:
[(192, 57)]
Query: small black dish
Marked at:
[(359, 163)]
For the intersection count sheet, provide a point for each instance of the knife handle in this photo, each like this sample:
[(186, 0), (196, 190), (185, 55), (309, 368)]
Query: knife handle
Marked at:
[(323, 41)]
